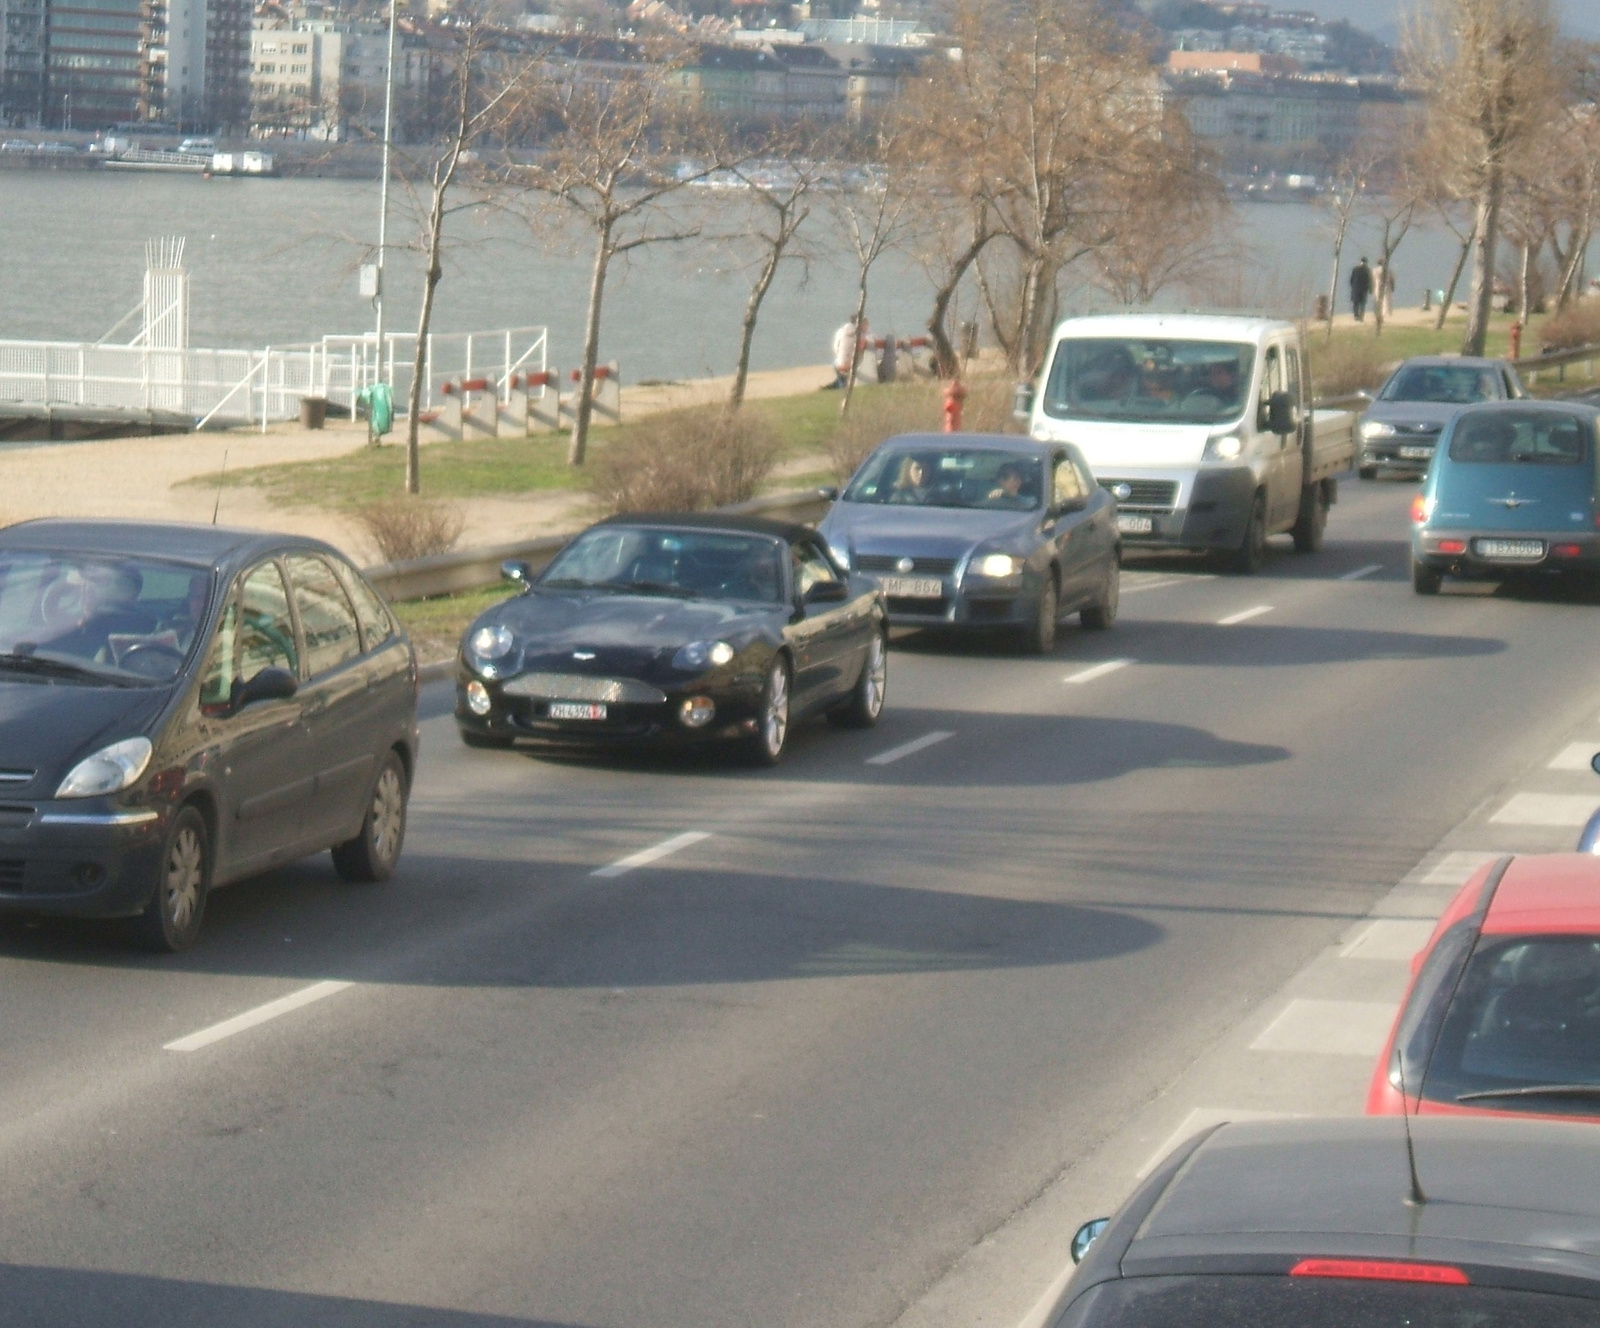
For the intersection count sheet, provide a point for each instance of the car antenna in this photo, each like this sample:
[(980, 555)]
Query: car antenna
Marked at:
[(217, 506), (1416, 1198)]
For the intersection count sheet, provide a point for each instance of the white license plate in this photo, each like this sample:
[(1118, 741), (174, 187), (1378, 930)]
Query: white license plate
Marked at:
[(576, 710), (913, 587), (1416, 453), (1508, 548), (1131, 523)]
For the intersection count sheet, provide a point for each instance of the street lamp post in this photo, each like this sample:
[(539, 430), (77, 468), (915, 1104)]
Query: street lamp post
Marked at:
[(383, 189)]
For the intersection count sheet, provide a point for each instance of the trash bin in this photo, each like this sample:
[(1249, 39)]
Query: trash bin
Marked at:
[(313, 412)]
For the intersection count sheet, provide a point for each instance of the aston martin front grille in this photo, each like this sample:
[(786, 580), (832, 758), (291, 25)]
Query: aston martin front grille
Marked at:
[(577, 687)]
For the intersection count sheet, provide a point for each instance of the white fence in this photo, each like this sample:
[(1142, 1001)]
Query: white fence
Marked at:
[(253, 386)]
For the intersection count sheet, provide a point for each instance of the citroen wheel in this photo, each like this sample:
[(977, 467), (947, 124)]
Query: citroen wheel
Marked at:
[(171, 920), (375, 851)]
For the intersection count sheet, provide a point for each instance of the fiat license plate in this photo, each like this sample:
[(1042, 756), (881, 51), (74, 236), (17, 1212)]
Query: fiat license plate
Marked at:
[(1512, 549), (1131, 523), (1416, 453), (576, 710), (913, 587)]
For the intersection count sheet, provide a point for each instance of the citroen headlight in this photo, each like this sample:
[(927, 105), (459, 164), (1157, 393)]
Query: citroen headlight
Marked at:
[(995, 566), (698, 655), (1376, 429), (491, 642), (109, 770), (1223, 447)]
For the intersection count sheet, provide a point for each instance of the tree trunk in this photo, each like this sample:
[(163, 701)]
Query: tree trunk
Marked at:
[(855, 360), (1333, 277), (578, 443), (1486, 243), (752, 309), (946, 361), (419, 362), (1455, 278), (1574, 265)]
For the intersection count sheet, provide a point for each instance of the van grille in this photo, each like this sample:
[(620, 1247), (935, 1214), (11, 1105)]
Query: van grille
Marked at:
[(1146, 495)]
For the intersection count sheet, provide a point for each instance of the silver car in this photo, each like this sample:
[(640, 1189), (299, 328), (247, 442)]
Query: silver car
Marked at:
[(1401, 427)]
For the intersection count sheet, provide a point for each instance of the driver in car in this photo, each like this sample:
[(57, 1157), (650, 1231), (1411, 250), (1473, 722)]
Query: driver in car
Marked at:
[(108, 605), (911, 483), (1010, 488)]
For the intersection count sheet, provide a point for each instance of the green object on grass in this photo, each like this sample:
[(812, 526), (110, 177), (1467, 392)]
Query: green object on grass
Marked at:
[(379, 401)]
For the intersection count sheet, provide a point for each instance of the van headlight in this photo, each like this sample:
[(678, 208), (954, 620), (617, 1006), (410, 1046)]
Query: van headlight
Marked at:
[(1223, 447), (109, 770)]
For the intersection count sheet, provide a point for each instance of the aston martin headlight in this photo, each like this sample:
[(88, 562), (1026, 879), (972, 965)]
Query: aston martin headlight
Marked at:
[(698, 655), (1376, 429), (478, 699), (995, 565), (491, 642), (109, 770)]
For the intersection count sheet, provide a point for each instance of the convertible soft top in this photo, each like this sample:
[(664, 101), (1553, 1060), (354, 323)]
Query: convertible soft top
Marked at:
[(788, 531)]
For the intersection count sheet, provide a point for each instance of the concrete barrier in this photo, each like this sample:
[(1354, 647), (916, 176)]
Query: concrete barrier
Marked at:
[(472, 569)]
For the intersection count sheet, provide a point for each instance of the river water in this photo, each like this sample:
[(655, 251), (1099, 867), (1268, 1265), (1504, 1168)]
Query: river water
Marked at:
[(274, 262)]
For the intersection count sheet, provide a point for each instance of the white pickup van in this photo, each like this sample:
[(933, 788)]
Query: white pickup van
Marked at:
[(1200, 425)]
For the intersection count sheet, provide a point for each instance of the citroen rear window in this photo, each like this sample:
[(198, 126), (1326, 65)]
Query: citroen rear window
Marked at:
[(1241, 1301), (1512, 438)]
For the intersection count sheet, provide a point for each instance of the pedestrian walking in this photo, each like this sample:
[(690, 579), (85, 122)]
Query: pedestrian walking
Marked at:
[(1360, 289), (847, 344)]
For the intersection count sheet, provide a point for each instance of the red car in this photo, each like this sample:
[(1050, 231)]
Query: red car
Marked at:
[(1503, 1013)]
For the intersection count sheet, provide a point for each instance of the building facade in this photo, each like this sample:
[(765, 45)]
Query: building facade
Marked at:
[(321, 77), (197, 63), (23, 29), (94, 63)]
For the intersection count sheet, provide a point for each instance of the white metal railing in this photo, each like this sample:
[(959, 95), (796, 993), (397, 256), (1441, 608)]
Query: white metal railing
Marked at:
[(254, 386)]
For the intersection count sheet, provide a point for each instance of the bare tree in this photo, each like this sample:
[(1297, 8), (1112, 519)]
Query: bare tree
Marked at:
[(1488, 70), (781, 181), (613, 143), (1349, 181), (479, 100)]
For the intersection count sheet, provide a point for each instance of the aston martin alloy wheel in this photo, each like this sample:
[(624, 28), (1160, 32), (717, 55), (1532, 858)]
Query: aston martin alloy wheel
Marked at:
[(861, 711), (772, 723)]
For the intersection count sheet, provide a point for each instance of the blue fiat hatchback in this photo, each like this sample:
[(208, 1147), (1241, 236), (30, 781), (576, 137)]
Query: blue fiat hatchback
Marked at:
[(1512, 489)]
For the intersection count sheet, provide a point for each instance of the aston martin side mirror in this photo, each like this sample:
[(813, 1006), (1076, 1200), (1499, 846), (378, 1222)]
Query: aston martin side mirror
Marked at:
[(828, 592)]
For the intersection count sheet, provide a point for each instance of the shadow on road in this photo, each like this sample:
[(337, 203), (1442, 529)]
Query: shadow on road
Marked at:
[(31, 1296), (1260, 644)]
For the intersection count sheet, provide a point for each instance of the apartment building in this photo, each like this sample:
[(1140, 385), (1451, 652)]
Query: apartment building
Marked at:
[(197, 63), (23, 25), (323, 76)]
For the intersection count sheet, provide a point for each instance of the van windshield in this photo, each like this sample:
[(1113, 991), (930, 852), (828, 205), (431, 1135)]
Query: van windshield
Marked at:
[(1169, 382)]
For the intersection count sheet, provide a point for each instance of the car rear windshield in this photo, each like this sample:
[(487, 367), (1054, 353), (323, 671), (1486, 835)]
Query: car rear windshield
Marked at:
[(124, 618), (1457, 383), (689, 563), (950, 477), (1316, 1302), (1521, 437), (1125, 378), (1526, 1014)]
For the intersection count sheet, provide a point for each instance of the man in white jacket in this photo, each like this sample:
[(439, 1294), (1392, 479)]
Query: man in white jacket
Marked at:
[(847, 344)]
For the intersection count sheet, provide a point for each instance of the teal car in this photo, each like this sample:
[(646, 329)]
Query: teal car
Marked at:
[(1512, 489)]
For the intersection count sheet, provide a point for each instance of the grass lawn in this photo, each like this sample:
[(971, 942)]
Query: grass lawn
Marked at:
[(436, 624)]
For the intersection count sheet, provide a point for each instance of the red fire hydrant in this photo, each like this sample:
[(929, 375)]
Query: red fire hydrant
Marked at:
[(954, 395), (1516, 340)]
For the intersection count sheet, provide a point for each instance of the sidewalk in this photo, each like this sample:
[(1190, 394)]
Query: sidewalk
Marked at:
[(142, 478)]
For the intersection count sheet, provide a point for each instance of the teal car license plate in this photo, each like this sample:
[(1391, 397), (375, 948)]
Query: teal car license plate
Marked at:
[(1509, 550)]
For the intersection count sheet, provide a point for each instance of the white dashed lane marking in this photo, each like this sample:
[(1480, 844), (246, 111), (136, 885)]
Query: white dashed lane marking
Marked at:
[(1548, 809), (1244, 615), (909, 748), (1361, 572), (645, 856), (1328, 1028), (295, 1000), (1389, 938), (1098, 671), (1575, 756)]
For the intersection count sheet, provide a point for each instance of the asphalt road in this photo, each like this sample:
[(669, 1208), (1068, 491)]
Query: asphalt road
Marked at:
[(789, 1072)]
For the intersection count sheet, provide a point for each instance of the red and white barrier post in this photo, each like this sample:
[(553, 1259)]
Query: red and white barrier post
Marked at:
[(606, 395)]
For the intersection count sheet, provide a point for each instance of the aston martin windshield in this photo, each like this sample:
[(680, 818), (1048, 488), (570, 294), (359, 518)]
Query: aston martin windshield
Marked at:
[(1170, 382), (648, 560), (950, 477), (98, 615)]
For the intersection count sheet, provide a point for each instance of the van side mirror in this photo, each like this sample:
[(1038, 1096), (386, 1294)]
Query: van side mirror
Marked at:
[(1280, 413), (268, 685), (1022, 401), (514, 570)]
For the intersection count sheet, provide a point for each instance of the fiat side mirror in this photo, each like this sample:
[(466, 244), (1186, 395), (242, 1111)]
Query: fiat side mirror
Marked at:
[(1280, 413), (1022, 401)]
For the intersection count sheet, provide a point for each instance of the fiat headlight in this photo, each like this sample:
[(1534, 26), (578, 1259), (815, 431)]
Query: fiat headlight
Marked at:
[(698, 655), (491, 642), (1376, 429), (1223, 447), (109, 770), (996, 565)]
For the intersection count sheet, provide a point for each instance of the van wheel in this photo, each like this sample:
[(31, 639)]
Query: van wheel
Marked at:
[(171, 920), (1252, 550), (1313, 519), (375, 851), (1424, 579)]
